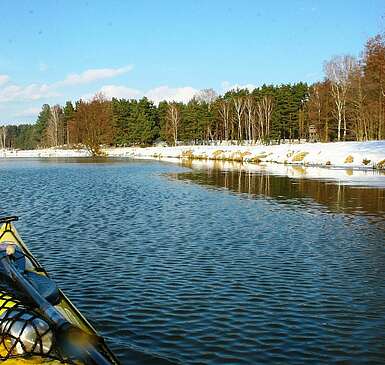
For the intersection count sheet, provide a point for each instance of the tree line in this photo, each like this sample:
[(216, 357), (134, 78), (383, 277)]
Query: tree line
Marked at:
[(349, 104)]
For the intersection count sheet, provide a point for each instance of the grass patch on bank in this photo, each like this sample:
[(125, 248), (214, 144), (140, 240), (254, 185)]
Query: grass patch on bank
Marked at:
[(349, 159), (381, 164), (298, 157)]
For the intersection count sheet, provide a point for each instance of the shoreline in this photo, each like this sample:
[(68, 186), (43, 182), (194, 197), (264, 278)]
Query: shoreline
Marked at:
[(357, 155)]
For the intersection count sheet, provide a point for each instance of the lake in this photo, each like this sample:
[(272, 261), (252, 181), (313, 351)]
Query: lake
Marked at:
[(209, 265)]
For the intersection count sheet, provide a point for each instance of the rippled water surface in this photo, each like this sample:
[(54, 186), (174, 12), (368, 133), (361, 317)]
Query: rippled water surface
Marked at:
[(209, 266)]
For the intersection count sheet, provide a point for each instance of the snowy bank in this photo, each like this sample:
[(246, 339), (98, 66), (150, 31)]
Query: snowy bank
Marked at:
[(338, 154), (44, 153)]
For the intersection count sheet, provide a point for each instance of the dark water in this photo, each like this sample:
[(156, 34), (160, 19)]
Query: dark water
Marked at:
[(209, 267)]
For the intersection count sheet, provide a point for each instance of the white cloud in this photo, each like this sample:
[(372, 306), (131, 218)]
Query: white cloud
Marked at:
[(226, 86), (179, 94), (120, 92), (28, 92), (158, 94), (13, 92), (30, 112), (4, 79), (92, 75)]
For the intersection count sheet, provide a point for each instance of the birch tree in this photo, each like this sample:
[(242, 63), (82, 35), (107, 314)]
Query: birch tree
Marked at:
[(173, 119), (338, 71), (264, 109), (239, 104), (3, 136), (250, 118), (267, 103), (224, 110), (207, 96), (52, 130)]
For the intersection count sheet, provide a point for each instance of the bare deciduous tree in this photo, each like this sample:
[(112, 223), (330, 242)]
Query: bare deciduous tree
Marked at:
[(264, 113), (92, 123), (52, 130), (224, 110), (374, 77), (3, 136), (173, 119), (250, 118), (338, 70), (239, 104), (207, 96), (357, 109)]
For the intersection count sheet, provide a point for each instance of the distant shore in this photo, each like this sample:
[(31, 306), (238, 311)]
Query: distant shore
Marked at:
[(364, 155)]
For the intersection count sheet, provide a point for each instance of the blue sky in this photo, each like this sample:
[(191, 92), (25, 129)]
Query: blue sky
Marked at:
[(53, 51)]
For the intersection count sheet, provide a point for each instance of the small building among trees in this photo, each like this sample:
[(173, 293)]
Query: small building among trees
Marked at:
[(313, 134)]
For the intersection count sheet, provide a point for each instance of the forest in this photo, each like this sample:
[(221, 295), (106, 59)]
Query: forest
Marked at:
[(348, 105)]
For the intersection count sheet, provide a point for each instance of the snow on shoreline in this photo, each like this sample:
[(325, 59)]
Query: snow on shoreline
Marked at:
[(338, 154)]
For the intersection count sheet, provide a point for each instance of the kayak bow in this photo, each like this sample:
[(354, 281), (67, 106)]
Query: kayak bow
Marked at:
[(38, 323)]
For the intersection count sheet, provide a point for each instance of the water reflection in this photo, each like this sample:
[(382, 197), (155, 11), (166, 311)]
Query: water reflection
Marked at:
[(335, 190)]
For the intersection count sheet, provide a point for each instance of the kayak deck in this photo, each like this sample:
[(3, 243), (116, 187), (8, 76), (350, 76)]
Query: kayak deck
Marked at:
[(9, 235)]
